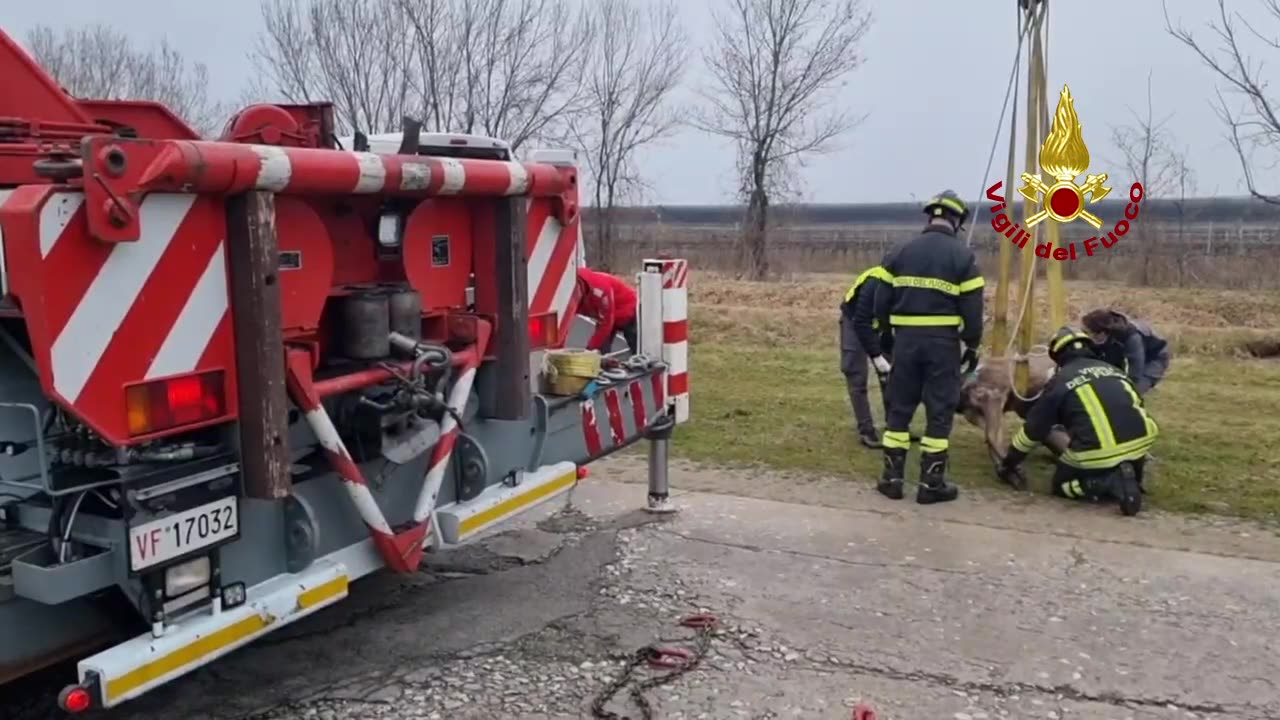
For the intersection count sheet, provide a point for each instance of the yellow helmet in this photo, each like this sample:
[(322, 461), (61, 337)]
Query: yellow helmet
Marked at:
[(1069, 342)]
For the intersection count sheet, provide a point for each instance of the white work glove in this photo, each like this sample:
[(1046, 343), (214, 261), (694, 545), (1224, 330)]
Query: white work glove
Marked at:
[(881, 364)]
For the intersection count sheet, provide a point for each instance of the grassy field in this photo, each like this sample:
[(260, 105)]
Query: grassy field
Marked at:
[(766, 388)]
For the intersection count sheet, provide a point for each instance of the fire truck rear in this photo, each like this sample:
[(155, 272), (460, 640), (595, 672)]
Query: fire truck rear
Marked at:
[(238, 375)]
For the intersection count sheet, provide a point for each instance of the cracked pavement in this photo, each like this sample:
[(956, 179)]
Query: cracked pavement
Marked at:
[(924, 613)]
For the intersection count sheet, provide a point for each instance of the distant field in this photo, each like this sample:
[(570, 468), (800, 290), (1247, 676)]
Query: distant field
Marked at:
[(1224, 254), (766, 388)]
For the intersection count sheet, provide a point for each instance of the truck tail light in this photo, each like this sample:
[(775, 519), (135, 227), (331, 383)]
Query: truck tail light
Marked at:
[(75, 699), (176, 401), (543, 329)]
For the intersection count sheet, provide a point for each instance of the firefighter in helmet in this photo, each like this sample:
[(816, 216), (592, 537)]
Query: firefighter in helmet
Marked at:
[(933, 305), (1110, 429)]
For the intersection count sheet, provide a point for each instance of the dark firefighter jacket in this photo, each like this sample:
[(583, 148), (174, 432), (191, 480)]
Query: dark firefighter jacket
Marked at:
[(1132, 352), (936, 287), (1101, 411), (858, 308)]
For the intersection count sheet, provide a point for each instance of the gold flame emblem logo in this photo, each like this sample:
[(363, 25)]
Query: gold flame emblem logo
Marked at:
[(1064, 156)]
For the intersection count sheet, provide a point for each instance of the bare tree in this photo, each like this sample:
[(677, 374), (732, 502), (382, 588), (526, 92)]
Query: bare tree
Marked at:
[(637, 58), (101, 63), (348, 52), (775, 64), (1254, 126), (510, 69), (1151, 158)]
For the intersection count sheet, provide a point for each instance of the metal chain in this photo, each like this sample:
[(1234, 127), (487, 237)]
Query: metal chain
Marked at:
[(705, 626)]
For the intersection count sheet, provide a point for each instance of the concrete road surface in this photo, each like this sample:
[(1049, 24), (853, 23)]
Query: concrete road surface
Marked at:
[(985, 608)]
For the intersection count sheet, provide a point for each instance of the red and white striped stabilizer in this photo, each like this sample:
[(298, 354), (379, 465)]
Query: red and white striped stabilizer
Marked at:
[(400, 551), (667, 285), (425, 508), (222, 167), (612, 427)]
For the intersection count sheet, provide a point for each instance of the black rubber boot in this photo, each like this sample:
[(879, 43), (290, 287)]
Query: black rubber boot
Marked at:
[(892, 479), (1126, 489), (934, 487), (870, 439)]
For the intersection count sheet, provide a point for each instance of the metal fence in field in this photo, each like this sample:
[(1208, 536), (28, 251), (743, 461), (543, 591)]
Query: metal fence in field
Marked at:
[(1235, 247)]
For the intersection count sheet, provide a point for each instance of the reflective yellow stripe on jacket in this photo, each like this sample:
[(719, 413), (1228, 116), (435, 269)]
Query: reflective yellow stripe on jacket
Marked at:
[(926, 320), (1110, 453), (873, 272), (942, 286), (927, 283)]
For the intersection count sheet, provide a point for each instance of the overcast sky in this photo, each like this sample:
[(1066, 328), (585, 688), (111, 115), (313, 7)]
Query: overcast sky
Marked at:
[(932, 85)]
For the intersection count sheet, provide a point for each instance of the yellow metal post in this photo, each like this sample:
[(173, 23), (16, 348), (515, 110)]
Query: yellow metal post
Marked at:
[(1026, 309), (1057, 290)]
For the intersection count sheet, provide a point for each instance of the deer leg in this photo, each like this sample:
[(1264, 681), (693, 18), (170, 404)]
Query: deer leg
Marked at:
[(997, 446)]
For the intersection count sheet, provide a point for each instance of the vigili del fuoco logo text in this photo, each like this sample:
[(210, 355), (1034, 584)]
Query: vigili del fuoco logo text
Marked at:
[(1064, 156)]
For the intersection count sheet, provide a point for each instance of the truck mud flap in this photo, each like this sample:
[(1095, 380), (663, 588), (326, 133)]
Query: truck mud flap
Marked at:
[(145, 662)]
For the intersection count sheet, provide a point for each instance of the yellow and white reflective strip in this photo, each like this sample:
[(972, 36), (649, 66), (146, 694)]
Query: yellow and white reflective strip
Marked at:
[(461, 520), (896, 440), (145, 662), (1152, 428), (933, 445), (950, 203), (1073, 489), (1109, 457), (972, 284), (926, 283), (875, 272), (1022, 441), (1066, 339), (925, 320), (1097, 417)]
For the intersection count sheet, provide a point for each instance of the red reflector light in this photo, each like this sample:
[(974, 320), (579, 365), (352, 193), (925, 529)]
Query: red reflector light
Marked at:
[(543, 329), (75, 699), (176, 401)]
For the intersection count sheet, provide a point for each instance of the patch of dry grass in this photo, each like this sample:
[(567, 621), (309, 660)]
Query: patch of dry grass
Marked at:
[(767, 389)]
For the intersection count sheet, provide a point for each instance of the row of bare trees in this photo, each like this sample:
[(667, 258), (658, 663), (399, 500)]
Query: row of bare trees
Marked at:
[(97, 61), (602, 75)]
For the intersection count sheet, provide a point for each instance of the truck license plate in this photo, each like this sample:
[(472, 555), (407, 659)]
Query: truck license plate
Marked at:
[(160, 541)]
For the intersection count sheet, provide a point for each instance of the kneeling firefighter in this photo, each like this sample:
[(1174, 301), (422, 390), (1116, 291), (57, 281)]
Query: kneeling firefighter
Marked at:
[(1100, 409), (932, 303)]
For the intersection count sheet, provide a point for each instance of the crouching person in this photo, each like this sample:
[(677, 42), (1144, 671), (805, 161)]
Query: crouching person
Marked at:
[(863, 342), (1110, 430), (1129, 344)]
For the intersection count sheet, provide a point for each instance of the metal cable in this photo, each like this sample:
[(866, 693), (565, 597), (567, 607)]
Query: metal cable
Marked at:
[(995, 143)]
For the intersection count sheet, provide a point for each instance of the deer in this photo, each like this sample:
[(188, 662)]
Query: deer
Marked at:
[(987, 394)]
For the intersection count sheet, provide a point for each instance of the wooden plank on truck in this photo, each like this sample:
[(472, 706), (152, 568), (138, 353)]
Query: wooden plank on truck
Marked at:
[(253, 259), (510, 375)]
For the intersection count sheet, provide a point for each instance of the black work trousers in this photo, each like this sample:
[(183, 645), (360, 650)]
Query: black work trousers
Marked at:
[(629, 334), (856, 367), (926, 367)]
